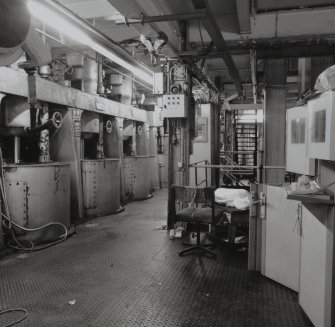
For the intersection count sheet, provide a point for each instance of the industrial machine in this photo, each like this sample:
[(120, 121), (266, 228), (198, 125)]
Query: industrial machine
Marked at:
[(100, 164), (173, 85), (136, 161), (36, 190)]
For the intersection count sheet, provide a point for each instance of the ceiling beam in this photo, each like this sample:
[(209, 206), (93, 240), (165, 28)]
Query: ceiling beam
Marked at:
[(272, 48), (214, 32), (243, 15), (161, 18)]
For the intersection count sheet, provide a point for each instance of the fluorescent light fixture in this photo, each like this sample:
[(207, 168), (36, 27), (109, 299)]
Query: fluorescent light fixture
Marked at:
[(65, 27)]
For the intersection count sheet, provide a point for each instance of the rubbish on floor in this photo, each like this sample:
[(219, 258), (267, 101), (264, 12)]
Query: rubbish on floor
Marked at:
[(178, 232), (72, 302), (163, 227), (171, 234)]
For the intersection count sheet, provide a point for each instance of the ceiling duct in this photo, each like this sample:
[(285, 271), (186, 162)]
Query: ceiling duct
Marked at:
[(13, 31)]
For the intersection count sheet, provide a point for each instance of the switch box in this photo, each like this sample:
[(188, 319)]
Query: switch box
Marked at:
[(175, 105), (159, 87)]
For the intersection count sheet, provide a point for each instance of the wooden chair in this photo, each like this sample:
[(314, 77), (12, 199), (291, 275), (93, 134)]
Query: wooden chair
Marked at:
[(196, 205)]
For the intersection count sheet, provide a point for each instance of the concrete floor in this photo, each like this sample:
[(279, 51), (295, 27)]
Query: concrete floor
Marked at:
[(122, 270)]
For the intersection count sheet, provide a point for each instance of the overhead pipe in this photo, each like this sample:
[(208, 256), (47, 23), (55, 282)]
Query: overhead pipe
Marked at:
[(201, 13), (93, 33)]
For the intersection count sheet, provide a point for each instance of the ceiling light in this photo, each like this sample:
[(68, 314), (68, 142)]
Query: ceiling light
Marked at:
[(62, 25)]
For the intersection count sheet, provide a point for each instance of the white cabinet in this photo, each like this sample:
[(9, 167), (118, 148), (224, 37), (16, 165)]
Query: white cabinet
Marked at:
[(322, 126), (297, 156)]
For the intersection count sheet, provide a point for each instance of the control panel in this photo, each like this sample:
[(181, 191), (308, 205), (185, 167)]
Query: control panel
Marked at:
[(175, 105)]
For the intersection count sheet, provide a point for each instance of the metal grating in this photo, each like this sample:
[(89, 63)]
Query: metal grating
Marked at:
[(122, 270)]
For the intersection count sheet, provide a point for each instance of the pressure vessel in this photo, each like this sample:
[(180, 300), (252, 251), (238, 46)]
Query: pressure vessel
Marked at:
[(90, 76)]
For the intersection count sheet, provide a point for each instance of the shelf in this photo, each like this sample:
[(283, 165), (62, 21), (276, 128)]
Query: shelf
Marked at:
[(326, 198)]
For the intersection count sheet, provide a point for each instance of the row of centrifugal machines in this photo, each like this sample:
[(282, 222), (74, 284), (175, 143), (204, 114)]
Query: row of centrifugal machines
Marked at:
[(65, 164)]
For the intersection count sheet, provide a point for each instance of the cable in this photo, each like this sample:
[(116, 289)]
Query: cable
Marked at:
[(33, 247), (11, 223), (15, 310)]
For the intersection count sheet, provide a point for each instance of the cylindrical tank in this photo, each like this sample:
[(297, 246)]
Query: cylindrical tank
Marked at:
[(13, 31), (38, 193), (90, 75), (137, 176), (101, 186)]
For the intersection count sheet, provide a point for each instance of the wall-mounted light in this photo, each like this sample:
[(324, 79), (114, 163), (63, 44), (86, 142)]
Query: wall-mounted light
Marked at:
[(68, 28)]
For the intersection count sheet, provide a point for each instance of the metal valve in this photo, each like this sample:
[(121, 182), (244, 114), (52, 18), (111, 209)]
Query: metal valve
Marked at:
[(54, 123), (109, 126)]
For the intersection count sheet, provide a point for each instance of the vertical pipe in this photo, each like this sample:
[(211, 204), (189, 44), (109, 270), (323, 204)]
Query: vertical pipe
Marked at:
[(171, 204), (17, 147), (196, 175)]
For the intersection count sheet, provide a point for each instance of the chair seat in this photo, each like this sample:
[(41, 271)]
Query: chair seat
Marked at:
[(202, 215)]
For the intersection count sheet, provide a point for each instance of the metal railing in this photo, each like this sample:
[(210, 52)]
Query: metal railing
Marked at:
[(195, 165)]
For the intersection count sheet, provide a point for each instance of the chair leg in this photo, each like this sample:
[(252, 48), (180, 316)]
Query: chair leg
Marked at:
[(187, 243), (198, 245), (189, 249)]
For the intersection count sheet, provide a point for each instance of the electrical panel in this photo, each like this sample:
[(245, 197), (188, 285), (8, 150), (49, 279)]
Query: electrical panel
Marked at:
[(297, 157), (175, 105), (322, 126)]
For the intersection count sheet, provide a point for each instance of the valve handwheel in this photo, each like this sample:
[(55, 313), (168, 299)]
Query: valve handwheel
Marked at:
[(109, 126), (57, 119)]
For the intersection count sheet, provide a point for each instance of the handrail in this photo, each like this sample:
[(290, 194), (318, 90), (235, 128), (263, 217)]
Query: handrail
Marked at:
[(195, 163), (195, 166)]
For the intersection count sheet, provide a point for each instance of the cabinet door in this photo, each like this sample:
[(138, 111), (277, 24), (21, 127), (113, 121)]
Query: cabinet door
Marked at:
[(315, 293), (281, 238)]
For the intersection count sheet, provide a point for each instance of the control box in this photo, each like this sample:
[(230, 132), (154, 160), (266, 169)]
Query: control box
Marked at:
[(175, 105)]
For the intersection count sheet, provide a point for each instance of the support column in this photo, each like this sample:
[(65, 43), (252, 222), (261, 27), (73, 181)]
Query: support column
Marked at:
[(119, 122), (215, 144), (76, 179), (275, 121), (304, 74)]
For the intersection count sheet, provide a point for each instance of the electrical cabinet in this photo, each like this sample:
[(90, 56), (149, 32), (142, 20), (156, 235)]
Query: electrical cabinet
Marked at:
[(297, 157), (322, 126), (175, 105)]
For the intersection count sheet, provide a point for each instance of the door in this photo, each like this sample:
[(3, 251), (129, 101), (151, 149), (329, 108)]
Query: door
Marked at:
[(281, 238)]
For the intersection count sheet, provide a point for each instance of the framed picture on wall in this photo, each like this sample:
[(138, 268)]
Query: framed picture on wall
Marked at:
[(201, 130)]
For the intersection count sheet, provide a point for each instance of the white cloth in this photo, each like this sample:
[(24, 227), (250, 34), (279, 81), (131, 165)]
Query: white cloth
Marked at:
[(238, 198)]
